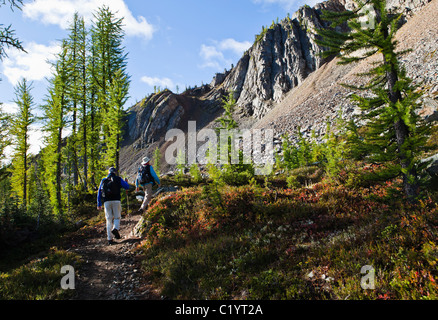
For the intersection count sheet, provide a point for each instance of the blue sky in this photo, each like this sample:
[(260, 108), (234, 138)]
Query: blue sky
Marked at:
[(170, 43)]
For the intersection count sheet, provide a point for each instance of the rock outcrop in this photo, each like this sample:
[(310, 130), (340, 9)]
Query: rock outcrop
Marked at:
[(282, 56), (321, 96), (153, 116), (282, 82)]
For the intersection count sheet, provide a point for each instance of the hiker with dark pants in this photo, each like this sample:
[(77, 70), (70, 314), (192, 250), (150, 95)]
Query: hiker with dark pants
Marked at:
[(109, 193), (146, 178)]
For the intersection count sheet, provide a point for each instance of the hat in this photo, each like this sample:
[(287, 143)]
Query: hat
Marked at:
[(112, 170), (145, 160)]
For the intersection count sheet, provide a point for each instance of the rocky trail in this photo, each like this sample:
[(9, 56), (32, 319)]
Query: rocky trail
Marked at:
[(110, 272)]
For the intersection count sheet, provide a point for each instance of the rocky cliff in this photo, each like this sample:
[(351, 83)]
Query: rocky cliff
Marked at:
[(321, 96), (281, 82)]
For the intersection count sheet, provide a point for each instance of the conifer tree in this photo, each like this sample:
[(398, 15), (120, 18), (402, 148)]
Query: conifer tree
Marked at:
[(94, 120), (118, 94), (7, 34), (395, 134), (20, 130), (83, 90), (55, 115), (227, 122), (157, 161), (108, 58), (77, 58), (290, 153), (304, 154)]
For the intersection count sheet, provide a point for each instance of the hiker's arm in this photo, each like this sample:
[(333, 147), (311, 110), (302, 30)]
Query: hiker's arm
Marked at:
[(99, 196), (125, 185), (154, 175)]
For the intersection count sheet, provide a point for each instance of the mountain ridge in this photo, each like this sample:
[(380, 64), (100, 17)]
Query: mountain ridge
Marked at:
[(281, 82)]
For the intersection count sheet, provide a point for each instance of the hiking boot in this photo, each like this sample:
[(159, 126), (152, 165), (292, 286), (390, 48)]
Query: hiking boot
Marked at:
[(116, 233), (111, 242)]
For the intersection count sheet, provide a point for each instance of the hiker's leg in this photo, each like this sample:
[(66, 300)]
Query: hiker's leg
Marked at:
[(147, 196), (117, 214), (109, 219)]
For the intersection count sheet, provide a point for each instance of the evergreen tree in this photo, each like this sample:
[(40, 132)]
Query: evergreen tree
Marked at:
[(304, 154), (227, 122), (108, 58), (7, 35), (333, 151), (290, 153), (20, 129), (317, 150), (77, 94), (118, 94), (83, 90), (157, 161), (94, 120), (55, 115), (395, 134)]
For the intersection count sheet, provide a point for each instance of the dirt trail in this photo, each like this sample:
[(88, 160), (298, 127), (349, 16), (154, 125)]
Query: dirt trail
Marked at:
[(110, 272)]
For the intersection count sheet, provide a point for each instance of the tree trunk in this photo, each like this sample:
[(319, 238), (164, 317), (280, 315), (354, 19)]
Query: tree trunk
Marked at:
[(25, 172), (58, 172), (410, 181)]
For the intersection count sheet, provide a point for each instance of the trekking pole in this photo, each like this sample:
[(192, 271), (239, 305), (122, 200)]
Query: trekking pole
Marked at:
[(127, 197), (157, 192), (127, 200)]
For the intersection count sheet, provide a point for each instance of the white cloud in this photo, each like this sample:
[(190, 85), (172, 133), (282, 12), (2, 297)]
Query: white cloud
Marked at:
[(35, 139), (9, 107), (212, 57), (32, 65), (236, 46), (215, 56), (288, 5), (60, 12), (36, 135), (159, 82)]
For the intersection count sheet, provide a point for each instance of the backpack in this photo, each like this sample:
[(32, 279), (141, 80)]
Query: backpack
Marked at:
[(144, 175), (110, 188)]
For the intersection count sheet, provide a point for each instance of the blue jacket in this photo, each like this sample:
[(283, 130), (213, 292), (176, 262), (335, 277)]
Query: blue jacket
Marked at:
[(154, 175), (123, 183)]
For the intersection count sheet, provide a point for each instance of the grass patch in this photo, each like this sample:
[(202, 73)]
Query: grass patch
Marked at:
[(40, 279), (307, 242)]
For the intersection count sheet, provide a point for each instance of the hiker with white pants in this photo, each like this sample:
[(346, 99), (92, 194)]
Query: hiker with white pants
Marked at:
[(146, 178), (109, 193)]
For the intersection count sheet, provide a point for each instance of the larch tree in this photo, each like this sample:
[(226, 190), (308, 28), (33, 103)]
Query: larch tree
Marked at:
[(8, 38), (395, 134), (74, 94), (55, 115), (20, 129), (108, 58), (118, 94)]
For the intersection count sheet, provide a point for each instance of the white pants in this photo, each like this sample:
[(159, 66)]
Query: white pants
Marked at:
[(147, 195), (113, 214)]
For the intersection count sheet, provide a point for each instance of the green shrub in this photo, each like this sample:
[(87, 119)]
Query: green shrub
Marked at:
[(38, 280)]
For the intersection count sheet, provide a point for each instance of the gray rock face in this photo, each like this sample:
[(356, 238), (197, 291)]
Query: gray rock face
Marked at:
[(280, 59), (153, 117), (285, 54)]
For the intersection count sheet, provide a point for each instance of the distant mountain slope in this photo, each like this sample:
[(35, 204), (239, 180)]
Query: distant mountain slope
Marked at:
[(321, 96), (281, 82)]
